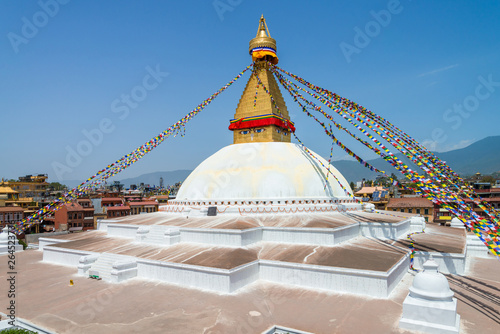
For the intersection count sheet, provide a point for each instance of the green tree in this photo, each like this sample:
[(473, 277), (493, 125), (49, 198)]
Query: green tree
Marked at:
[(488, 179), (16, 331), (57, 186)]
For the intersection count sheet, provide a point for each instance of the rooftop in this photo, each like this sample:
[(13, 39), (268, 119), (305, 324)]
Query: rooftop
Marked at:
[(369, 190), (5, 190), (118, 208), (139, 203), (11, 209), (331, 220), (409, 202), (73, 206), (111, 199), (137, 305)]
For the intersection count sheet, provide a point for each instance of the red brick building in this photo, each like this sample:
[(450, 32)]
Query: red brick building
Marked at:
[(10, 215), (143, 207), (117, 211), (111, 201), (416, 205), (74, 217)]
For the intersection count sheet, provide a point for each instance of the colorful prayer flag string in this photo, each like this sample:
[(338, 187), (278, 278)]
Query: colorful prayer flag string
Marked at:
[(122, 163)]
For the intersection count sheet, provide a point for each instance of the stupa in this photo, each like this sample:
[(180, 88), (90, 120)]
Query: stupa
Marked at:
[(262, 170), (260, 208), (260, 212)]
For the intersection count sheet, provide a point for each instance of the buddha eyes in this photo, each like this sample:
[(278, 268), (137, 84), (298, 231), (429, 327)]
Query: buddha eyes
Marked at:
[(245, 132)]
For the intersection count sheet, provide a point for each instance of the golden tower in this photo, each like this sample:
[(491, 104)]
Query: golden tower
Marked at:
[(257, 119)]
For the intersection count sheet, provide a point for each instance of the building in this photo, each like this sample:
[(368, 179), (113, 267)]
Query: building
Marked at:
[(74, 217), (10, 215), (34, 186), (162, 199), (88, 212), (114, 207), (369, 191), (7, 195), (99, 211), (377, 196), (415, 205), (117, 211), (442, 216), (111, 201), (144, 206), (10, 197)]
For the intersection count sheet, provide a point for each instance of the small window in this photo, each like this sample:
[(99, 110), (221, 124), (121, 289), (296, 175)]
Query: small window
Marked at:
[(426, 211), (410, 210), (418, 211), (402, 210)]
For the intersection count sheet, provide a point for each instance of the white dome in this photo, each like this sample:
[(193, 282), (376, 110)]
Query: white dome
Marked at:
[(430, 284), (271, 170)]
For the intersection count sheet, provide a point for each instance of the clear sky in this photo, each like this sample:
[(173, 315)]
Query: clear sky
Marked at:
[(430, 67)]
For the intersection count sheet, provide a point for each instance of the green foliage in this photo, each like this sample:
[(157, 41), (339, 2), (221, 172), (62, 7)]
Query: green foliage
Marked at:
[(57, 186), (488, 179), (17, 331), (21, 242), (352, 185)]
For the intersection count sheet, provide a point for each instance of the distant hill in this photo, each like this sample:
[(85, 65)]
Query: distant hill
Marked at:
[(154, 178), (169, 178), (482, 156)]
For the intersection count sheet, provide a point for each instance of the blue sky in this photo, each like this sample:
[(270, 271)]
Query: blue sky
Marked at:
[(430, 67)]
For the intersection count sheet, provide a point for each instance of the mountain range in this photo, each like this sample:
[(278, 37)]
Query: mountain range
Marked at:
[(482, 156)]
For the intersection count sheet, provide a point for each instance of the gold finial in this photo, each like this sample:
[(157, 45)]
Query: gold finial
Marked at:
[(263, 44), (263, 31)]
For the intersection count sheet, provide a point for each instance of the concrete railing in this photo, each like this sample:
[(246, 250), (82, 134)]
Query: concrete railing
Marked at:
[(123, 270), (85, 262)]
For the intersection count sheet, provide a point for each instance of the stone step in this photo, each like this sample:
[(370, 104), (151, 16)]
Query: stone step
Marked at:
[(104, 264)]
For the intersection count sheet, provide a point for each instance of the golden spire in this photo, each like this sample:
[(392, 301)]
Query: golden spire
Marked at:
[(263, 31), (262, 116), (263, 44)]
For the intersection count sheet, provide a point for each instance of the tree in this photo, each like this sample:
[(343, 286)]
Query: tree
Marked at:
[(352, 185), (57, 186), (488, 179)]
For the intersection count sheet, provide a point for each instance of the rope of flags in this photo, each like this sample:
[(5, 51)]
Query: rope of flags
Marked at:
[(439, 183), (122, 163), (304, 148)]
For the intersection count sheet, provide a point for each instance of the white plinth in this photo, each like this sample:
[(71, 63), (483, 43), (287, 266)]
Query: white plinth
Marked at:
[(430, 306), (9, 242), (430, 317), (456, 223)]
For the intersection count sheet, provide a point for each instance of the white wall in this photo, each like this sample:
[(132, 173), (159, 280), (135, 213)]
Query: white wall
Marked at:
[(364, 282), (213, 279), (449, 263), (42, 242), (63, 256), (384, 230), (120, 230)]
